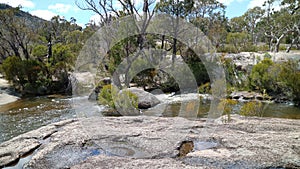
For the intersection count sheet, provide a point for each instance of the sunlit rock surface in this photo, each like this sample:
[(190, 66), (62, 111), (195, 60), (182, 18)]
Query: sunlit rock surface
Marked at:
[(157, 142)]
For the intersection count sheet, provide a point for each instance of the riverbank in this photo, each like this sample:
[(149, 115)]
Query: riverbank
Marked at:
[(157, 142), (5, 97)]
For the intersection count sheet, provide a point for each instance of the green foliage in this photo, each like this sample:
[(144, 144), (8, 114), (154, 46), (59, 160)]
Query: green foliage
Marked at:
[(227, 48), (205, 88), (105, 96), (27, 38), (199, 71), (267, 56), (290, 79), (24, 73), (262, 48), (226, 105), (12, 68), (276, 78), (249, 48), (39, 51), (62, 55), (124, 99), (252, 108), (260, 78), (235, 78), (127, 100), (239, 40)]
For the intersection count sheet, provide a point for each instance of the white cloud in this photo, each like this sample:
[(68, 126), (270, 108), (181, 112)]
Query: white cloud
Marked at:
[(228, 2), (225, 2), (254, 3), (81, 24), (60, 8), (45, 14), (95, 18), (23, 3)]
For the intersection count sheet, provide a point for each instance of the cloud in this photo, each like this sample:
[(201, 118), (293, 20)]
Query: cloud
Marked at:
[(254, 3), (45, 14), (23, 3), (226, 2), (95, 19), (60, 8)]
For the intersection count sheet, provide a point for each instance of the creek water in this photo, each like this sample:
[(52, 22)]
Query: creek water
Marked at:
[(28, 114)]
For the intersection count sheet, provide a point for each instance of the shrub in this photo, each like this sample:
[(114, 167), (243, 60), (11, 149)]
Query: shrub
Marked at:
[(263, 47), (252, 108), (20, 71), (227, 106), (260, 78), (123, 99), (127, 101), (290, 79), (249, 48), (227, 49), (205, 88), (239, 40), (267, 56), (105, 96)]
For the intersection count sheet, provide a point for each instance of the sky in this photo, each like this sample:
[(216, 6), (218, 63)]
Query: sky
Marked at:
[(46, 9)]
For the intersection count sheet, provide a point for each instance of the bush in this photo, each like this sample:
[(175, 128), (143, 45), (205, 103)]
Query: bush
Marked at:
[(205, 88), (252, 108), (227, 106), (290, 79), (127, 102), (249, 48), (267, 56), (239, 40), (12, 68), (276, 78), (227, 49), (263, 47), (106, 98), (260, 78), (20, 71)]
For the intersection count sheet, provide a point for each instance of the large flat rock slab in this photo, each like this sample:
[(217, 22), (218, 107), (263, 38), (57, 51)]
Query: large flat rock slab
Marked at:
[(157, 142)]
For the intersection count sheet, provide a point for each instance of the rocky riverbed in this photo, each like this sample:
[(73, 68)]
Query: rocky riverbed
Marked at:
[(158, 142)]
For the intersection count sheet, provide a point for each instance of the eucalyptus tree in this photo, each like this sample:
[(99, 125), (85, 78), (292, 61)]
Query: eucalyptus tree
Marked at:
[(293, 7), (110, 10), (280, 23), (177, 9), (209, 16), (251, 20), (15, 34), (237, 24)]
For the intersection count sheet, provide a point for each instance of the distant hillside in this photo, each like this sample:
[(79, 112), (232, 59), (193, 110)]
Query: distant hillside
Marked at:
[(30, 18), (4, 6)]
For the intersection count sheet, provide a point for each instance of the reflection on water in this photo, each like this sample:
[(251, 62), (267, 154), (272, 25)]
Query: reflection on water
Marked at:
[(270, 110), (282, 111), (173, 109)]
